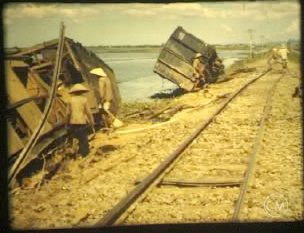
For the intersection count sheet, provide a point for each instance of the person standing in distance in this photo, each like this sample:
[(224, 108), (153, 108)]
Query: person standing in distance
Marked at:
[(283, 52), (273, 58)]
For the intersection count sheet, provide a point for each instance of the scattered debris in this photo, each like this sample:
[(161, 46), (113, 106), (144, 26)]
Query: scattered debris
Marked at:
[(163, 114)]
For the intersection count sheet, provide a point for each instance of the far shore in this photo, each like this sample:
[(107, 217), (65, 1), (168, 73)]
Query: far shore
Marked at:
[(151, 48), (147, 49), (157, 49)]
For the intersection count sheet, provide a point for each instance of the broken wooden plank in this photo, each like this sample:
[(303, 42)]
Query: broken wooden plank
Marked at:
[(15, 144), (173, 110), (26, 100), (72, 55), (41, 65), (34, 87), (158, 112), (129, 115), (37, 48), (29, 112), (36, 77)]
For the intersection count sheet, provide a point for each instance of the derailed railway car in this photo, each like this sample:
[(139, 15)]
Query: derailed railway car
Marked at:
[(175, 61), (29, 74)]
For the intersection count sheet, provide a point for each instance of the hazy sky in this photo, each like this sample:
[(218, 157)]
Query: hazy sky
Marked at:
[(134, 24)]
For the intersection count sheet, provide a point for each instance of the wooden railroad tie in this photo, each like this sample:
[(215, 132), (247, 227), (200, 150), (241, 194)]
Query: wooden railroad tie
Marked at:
[(195, 183)]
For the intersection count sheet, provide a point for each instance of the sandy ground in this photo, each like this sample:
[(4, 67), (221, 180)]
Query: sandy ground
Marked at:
[(85, 189)]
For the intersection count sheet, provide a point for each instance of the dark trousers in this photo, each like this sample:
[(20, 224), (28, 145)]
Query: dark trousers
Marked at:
[(80, 132)]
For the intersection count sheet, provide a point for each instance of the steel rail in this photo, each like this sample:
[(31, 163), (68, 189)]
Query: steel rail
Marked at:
[(252, 158), (111, 217), (34, 137)]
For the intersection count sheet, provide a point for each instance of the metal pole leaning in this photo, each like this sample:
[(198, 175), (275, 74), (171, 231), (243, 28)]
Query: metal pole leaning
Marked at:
[(34, 137)]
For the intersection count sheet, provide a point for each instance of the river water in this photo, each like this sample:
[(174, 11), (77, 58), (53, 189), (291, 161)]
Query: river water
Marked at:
[(135, 76)]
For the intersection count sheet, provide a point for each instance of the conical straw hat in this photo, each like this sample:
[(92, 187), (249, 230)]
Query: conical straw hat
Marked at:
[(198, 55), (98, 71), (78, 88)]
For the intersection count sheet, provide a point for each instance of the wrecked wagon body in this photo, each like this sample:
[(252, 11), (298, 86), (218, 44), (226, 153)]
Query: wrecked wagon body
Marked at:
[(175, 59), (29, 74)]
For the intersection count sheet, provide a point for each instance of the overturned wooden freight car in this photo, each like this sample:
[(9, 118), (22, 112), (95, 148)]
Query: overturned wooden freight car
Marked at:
[(175, 61), (29, 74)]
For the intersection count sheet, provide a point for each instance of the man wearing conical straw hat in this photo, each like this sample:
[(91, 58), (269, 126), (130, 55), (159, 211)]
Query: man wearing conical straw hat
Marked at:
[(79, 115), (106, 94), (199, 69)]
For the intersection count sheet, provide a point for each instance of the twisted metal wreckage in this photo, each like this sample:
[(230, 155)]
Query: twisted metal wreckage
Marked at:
[(31, 74)]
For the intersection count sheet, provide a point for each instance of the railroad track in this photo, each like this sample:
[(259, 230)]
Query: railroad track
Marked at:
[(210, 181)]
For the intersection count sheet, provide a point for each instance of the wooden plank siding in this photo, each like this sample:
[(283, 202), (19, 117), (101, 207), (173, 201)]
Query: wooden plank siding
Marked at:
[(15, 144), (30, 112)]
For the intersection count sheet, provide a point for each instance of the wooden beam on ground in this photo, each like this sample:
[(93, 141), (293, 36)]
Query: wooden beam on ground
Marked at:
[(158, 112), (200, 183)]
